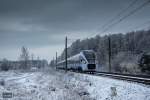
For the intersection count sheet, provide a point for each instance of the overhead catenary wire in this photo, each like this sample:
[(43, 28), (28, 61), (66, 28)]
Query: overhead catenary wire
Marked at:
[(129, 14), (120, 13), (109, 24), (122, 18), (147, 23)]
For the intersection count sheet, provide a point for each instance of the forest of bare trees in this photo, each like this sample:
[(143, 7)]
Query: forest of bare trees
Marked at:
[(126, 50)]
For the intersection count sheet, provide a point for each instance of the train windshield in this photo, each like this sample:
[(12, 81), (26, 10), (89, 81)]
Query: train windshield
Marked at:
[(90, 56)]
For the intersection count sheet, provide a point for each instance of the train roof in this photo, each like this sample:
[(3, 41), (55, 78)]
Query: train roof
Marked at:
[(70, 58), (87, 50), (76, 56)]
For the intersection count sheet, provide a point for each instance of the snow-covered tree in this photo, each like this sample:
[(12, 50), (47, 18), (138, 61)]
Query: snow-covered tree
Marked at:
[(24, 58)]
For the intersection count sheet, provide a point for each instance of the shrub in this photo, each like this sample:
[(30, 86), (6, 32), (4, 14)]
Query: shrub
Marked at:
[(5, 65)]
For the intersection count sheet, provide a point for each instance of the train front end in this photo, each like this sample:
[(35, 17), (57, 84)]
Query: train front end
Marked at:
[(90, 58)]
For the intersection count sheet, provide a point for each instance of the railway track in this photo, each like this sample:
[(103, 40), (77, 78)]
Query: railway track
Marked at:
[(144, 79)]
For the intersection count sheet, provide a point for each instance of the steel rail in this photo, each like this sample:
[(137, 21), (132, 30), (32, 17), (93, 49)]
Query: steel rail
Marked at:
[(128, 77), (144, 79)]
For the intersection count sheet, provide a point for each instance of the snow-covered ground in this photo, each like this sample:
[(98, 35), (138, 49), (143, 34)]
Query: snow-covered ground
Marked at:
[(58, 85)]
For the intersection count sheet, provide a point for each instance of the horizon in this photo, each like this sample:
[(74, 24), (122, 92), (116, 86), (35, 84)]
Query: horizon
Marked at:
[(38, 57)]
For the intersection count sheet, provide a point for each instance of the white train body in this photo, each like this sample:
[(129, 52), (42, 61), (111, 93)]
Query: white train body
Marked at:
[(84, 61)]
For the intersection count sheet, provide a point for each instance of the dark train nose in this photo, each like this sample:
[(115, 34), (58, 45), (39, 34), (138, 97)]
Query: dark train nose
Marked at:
[(91, 66)]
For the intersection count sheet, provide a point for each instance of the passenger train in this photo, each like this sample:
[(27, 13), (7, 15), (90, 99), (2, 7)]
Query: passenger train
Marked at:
[(84, 61)]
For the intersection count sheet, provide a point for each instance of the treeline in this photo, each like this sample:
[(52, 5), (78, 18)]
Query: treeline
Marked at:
[(126, 50), (25, 62)]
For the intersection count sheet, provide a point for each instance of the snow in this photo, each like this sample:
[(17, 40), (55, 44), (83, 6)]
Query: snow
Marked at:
[(100, 89), (58, 85)]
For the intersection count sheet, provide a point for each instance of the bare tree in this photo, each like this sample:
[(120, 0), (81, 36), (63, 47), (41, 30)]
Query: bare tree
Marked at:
[(32, 59), (24, 58)]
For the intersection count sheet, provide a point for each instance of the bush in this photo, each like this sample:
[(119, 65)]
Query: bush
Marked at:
[(2, 82), (144, 63), (129, 67), (125, 62), (5, 65)]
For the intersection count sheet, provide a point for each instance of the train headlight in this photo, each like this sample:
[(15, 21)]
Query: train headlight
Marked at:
[(84, 62)]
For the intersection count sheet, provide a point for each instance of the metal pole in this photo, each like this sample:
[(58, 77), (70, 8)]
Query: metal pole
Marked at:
[(56, 60), (109, 52), (53, 64), (66, 53)]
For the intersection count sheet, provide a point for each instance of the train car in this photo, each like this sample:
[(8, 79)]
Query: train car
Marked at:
[(84, 61)]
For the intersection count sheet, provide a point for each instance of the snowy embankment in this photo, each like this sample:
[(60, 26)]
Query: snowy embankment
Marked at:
[(52, 85)]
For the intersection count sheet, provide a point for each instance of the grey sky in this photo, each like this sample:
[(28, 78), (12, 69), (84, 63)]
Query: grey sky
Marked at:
[(41, 25)]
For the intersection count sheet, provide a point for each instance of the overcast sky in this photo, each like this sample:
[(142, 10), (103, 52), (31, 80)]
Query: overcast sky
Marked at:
[(41, 25)]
